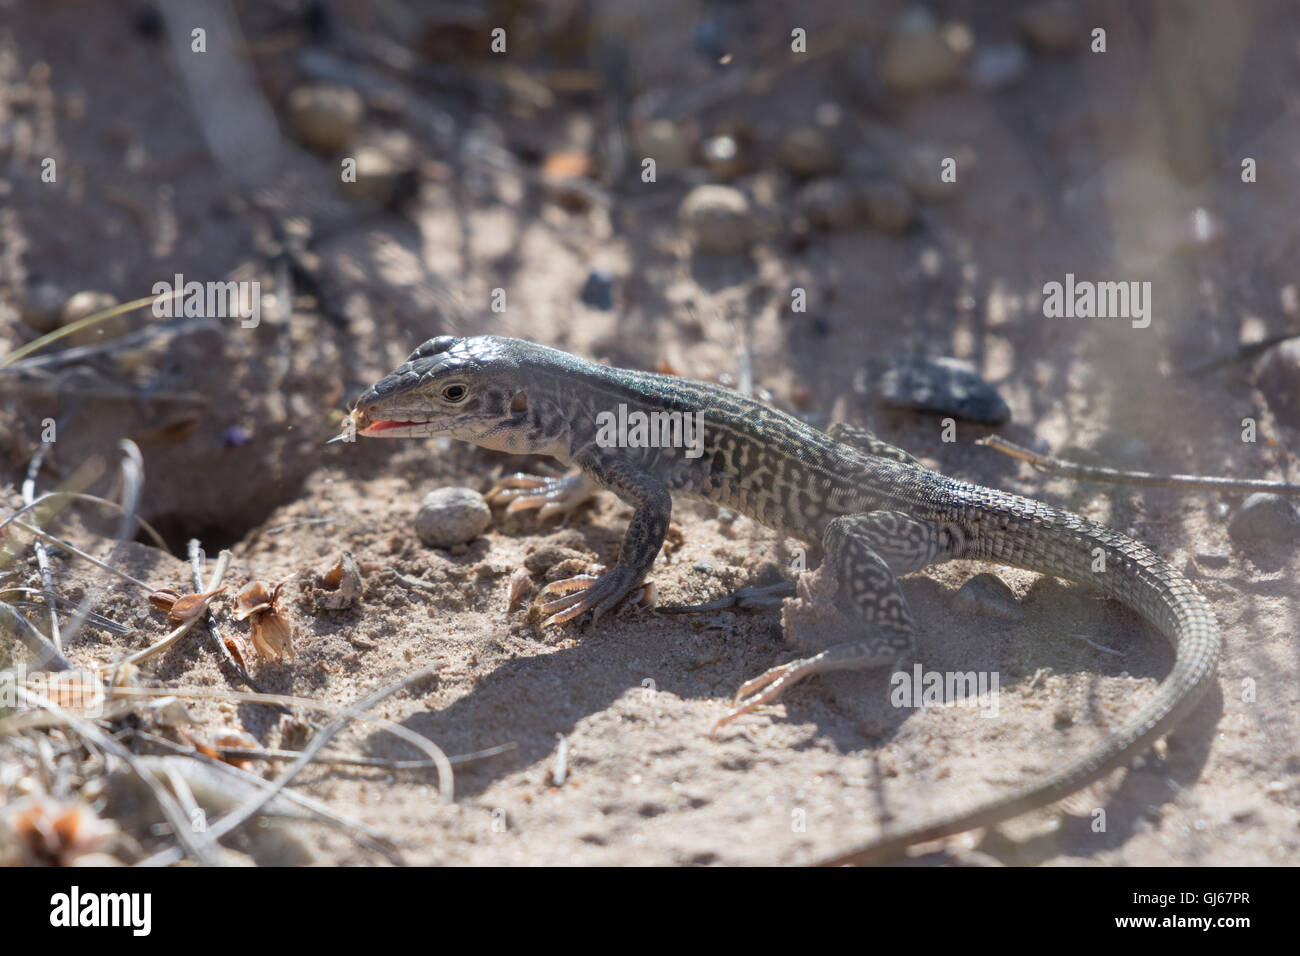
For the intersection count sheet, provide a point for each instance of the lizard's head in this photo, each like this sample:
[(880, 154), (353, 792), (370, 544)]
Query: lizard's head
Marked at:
[(473, 389)]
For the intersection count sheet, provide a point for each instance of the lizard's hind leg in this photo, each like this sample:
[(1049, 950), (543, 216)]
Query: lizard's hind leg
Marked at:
[(554, 496), (865, 553)]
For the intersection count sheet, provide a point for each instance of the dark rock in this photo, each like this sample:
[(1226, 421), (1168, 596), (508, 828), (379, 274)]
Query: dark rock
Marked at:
[(944, 385), (598, 290), (1266, 519), (829, 204), (1278, 377)]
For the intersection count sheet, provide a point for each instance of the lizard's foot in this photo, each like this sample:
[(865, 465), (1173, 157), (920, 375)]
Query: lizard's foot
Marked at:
[(554, 496), (586, 592), (768, 595), (884, 648), (770, 685)]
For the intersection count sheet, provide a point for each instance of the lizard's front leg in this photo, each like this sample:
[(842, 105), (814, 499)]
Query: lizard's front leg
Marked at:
[(641, 544), (865, 552)]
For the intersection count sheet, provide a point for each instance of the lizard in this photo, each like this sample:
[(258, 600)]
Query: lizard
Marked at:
[(877, 511)]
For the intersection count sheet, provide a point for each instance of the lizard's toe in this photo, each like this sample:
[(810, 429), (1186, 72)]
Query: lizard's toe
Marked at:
[(551, 496), (584, 593), (768, 686)]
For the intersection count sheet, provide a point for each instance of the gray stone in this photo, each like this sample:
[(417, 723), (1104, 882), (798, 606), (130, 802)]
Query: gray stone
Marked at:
[(829, 204), (1266, 519), (1052, 26), (916, 58), (1278, 377), (806, 152), (325, 116), (988, 594), (450, 516), (719, 217)]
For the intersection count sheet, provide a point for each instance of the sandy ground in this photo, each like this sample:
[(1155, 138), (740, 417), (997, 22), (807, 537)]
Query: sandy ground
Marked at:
[(1078, 168)]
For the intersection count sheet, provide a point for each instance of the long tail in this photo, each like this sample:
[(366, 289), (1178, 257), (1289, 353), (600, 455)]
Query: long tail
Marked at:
[(1034, 535)]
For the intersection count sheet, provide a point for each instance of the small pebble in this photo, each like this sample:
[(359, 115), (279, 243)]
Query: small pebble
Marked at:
[(722, 155), (325, 116), (829, 204), (666, 143), (598, 290), (988, 594), (83, 304), (386, 169), (916, 58), (1278, 376), (1052, 26), (719, 218), (43, 306), (450, 516), (806, 152)]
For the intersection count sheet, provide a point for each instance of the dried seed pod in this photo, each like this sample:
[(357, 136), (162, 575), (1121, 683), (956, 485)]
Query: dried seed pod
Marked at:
[(192, 605), (251, 599), (272, 635), (164, 598), (341, 585), (54, 832)]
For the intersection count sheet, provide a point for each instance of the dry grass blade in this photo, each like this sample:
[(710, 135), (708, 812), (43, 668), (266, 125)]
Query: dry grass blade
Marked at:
[(132, 483), (30, 721), (74, 327), (232, 820), (48, 657), (248, 779), (42, 556), (73, 549), (198, 845), (1059, 466)]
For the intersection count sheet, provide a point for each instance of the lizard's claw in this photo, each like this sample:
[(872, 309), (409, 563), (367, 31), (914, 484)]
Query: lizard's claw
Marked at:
[(768, 686), (586, 592), (554, 496)]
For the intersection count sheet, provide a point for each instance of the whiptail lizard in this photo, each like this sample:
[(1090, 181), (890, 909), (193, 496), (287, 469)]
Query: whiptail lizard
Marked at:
[(877, 511)]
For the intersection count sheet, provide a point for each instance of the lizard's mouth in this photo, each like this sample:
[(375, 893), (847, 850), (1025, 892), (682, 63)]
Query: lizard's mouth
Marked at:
[(395, 428), (389, 428)]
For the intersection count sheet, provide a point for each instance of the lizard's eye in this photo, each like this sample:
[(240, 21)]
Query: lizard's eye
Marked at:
[(454, 393)]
